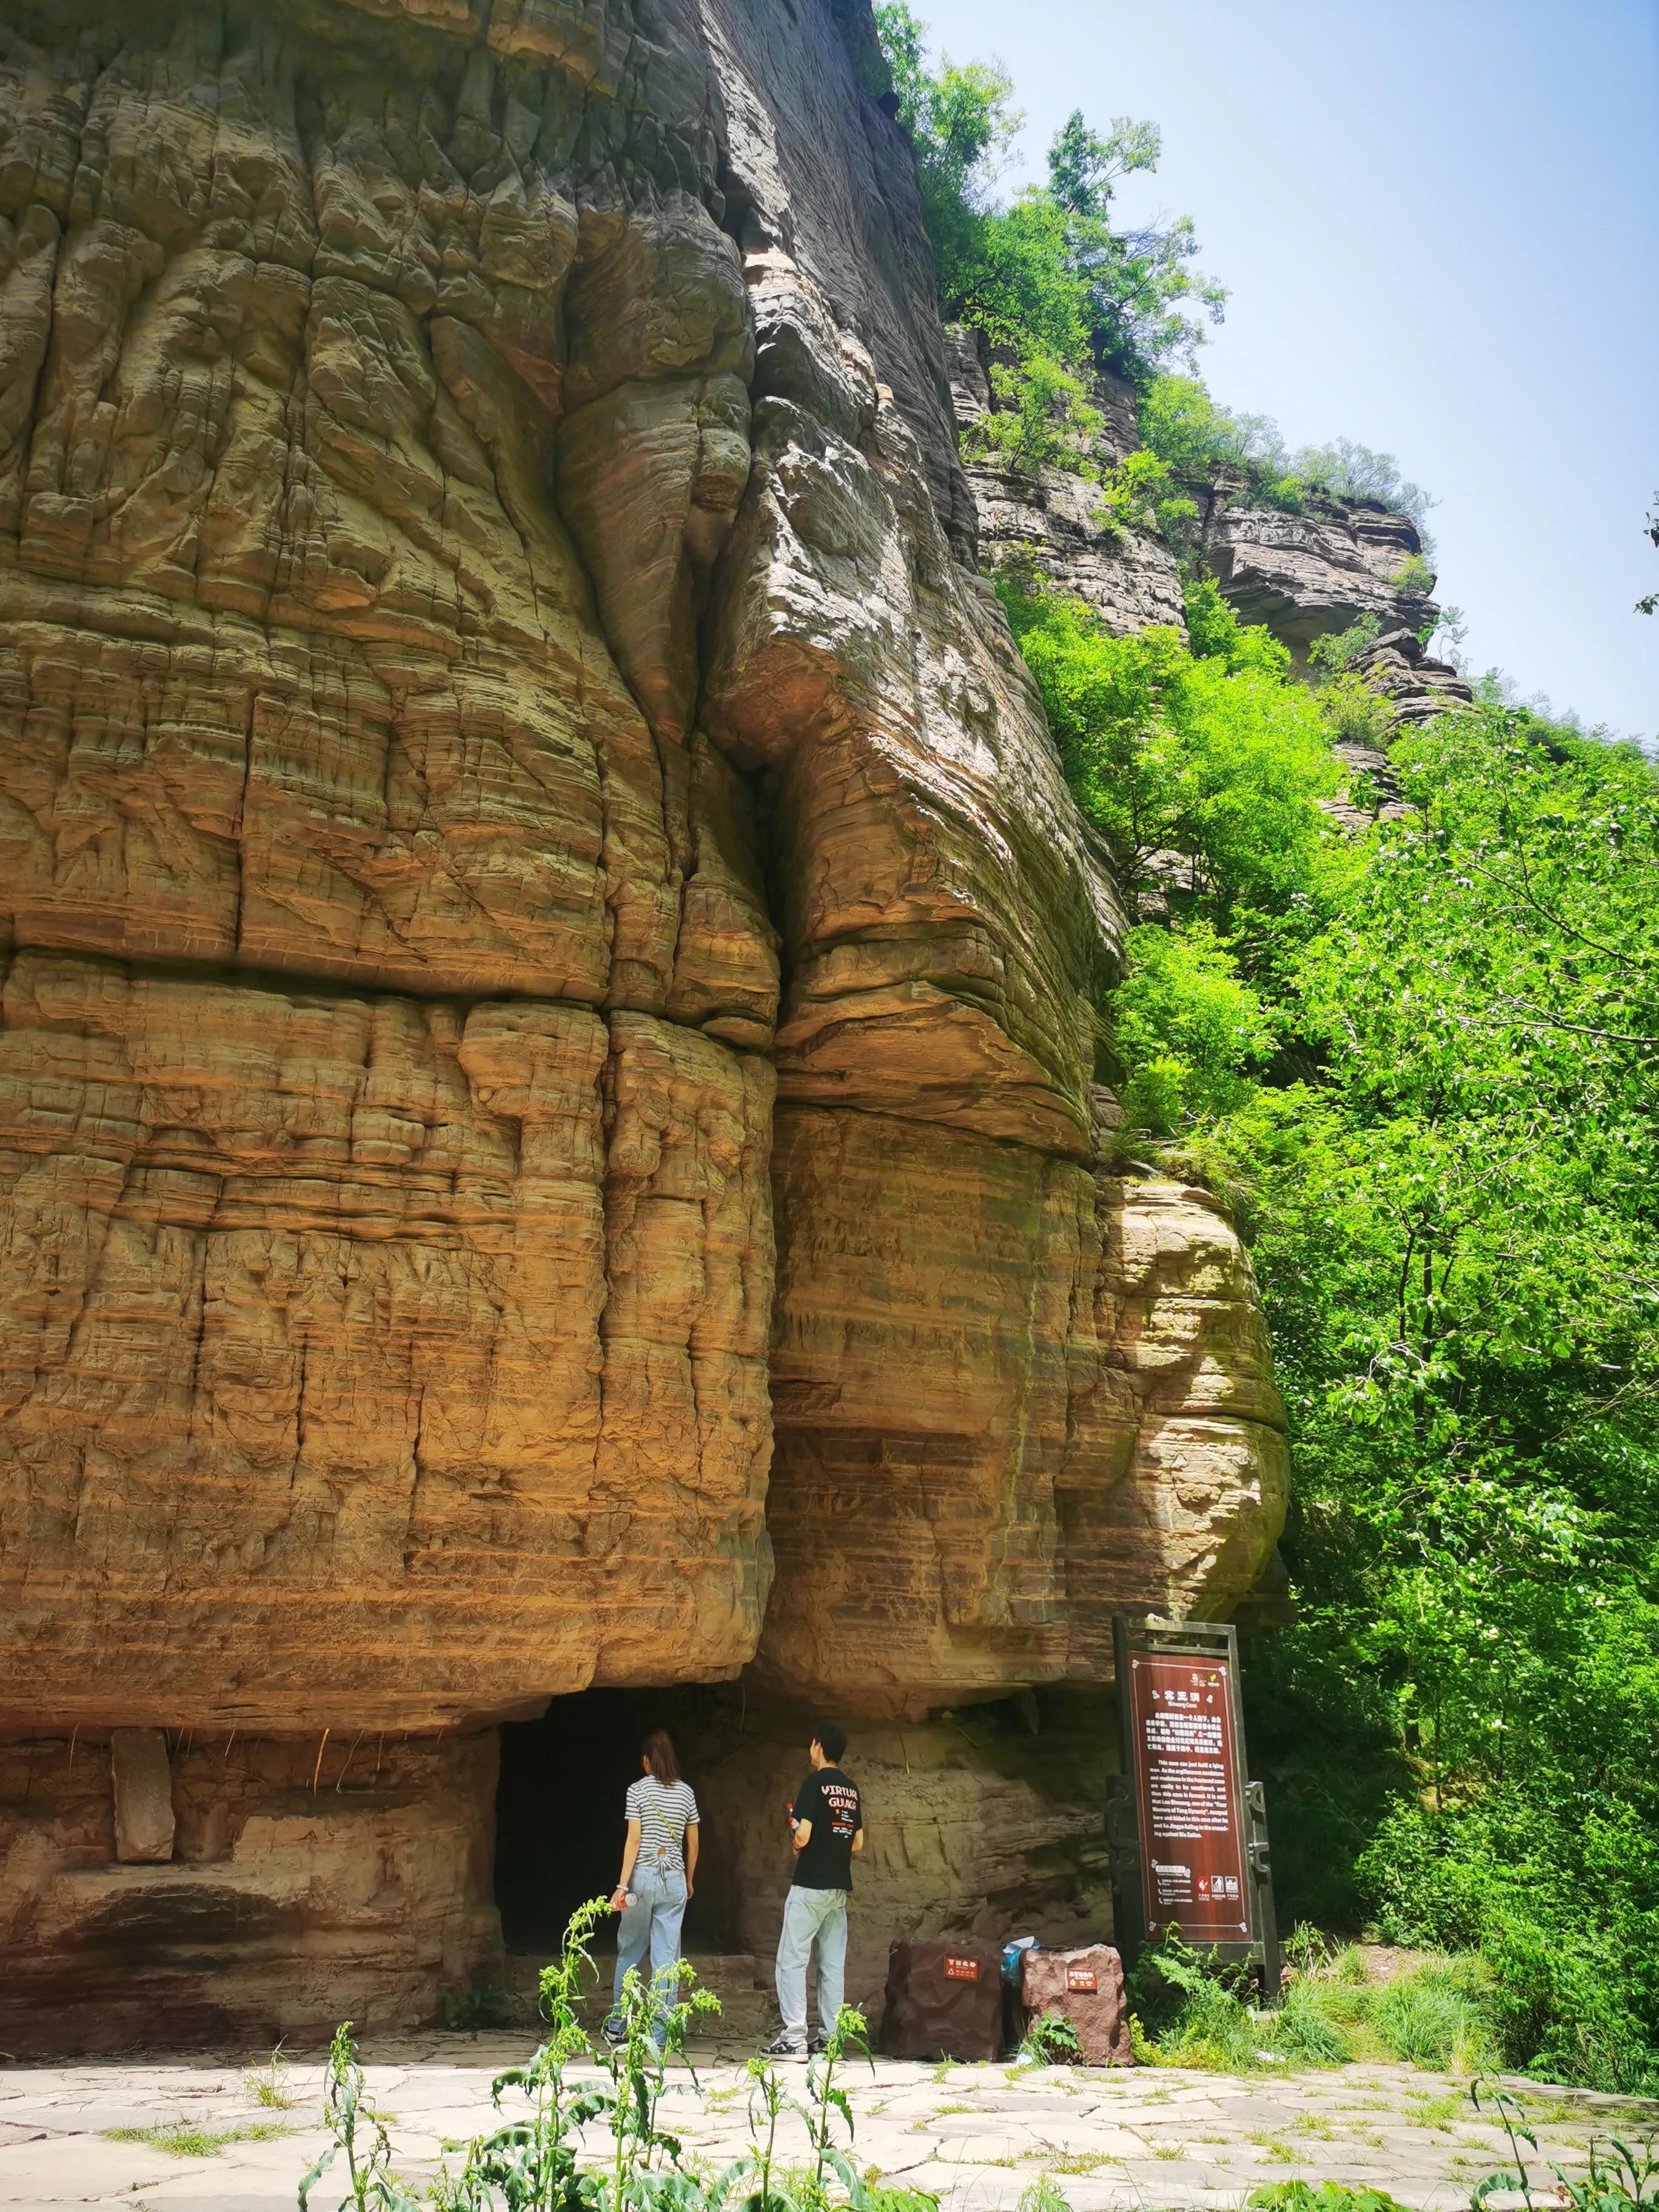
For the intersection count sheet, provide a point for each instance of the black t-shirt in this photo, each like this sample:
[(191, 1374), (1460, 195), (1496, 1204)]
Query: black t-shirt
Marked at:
[(832, 1804)]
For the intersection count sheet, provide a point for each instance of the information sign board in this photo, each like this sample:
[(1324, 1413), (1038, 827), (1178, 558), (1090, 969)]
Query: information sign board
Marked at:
[(1187, 1832), (1189, 1786)]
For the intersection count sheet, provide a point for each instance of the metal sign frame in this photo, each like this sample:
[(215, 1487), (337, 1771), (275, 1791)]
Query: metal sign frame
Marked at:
[(1200, 1640)]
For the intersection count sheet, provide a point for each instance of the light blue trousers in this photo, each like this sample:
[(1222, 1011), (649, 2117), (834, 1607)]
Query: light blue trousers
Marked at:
[(811, 1915), (651, 1923)]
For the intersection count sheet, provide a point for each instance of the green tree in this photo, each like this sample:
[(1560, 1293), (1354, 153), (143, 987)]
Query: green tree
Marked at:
[(1191, 1029), (1423, 1064), (1046, 275), (1045, 420), (1453, 1222), (1218, 758)]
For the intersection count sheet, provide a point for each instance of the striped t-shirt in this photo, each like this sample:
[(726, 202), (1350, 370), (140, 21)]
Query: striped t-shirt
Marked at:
[(664, 1810)]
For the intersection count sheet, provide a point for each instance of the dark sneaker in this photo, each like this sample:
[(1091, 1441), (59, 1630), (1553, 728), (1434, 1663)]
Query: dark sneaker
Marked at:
[(781, 2047), (818, 2045), (614, 2032)]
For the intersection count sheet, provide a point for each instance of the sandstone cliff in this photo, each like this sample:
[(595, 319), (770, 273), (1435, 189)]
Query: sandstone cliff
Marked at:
[(518, 809), (1052, 520)]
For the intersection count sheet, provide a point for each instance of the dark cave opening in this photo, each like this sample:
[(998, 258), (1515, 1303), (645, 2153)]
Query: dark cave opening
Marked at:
[(559, 1820)]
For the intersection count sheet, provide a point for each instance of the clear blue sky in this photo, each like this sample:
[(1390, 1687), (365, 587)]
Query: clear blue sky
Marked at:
[(1439, 223)]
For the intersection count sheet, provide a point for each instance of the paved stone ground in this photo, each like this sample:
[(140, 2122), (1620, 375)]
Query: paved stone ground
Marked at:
[(975, 2136)]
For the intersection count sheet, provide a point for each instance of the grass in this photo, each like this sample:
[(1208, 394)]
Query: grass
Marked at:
[(1081, 2161), (1434, 2112), (1275, 2147), (1438, 2016), (267, 2085), (184, 2139), (1168, 2150)]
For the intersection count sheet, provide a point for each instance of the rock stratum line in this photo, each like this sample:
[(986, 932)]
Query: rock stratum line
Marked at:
[(549, 1134)]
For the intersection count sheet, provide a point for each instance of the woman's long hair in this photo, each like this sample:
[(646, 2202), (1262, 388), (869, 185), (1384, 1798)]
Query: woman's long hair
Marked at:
[(659, 1750)]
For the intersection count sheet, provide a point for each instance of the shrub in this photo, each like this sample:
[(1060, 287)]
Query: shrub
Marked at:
[(1189, 1028), (1338, 650), (1354, 713), (1044, 420), (1437, 2017), (1306, 2031), (1195, 2007), (1215, 756)]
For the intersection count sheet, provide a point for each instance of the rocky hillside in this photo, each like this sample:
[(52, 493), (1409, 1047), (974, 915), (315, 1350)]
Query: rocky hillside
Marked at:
[(551, 1135)]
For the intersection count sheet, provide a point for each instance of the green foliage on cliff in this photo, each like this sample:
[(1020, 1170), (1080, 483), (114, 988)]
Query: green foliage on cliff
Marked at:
[(1043, 419), (1060, 291), (1045, 274), (1187, 428), (1425, 1064), (1218, 758)]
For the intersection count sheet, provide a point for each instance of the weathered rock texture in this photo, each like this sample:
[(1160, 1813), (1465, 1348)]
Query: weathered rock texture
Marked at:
[(1051, 523), (1303, 574), (308, 1884), (493, 692), (419, 1266), (1307, 574), (1088, 1413), (1085, 1988), (973, 1826)]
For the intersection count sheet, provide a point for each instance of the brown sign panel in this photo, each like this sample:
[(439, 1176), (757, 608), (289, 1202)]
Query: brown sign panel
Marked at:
[(1189, 1790), (961, 1970)]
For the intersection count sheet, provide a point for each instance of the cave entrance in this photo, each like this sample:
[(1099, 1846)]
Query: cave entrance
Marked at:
[(559, 1807)]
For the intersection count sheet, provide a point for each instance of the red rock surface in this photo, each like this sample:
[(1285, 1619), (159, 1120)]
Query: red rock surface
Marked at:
[(1085, 1988)]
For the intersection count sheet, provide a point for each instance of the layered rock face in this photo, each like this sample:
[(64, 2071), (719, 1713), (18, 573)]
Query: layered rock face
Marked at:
[(307, 1884), (420, 1263), (1302, 575), (1308, 573), (503, 749), (1052, 520)]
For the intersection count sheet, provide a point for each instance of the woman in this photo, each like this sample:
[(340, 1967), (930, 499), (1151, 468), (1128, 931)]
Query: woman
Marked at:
[(659, 1864)]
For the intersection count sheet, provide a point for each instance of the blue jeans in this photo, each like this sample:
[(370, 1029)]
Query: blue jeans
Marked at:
[(811, 1915), (651, 1923)]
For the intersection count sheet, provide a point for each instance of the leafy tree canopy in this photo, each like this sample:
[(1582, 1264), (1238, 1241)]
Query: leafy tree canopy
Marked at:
[(1046, 275), (1184, 426)]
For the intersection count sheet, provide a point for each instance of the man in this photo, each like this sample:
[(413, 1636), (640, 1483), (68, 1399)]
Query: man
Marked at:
[(827, 1819)]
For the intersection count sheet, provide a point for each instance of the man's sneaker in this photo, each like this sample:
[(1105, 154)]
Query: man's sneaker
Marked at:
[(818, 2045), (781, 2047), (614, 2032)]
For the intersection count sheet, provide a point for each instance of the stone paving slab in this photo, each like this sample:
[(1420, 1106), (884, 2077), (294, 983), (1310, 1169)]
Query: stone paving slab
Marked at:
[(977, 2136)]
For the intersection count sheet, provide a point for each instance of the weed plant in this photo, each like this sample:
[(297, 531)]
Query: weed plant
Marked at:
[(1622, 2178), (1322, 2196), (1193, 2010), (1051, 2041), (268, 2085), (533, 2161), (1042, 2196)]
